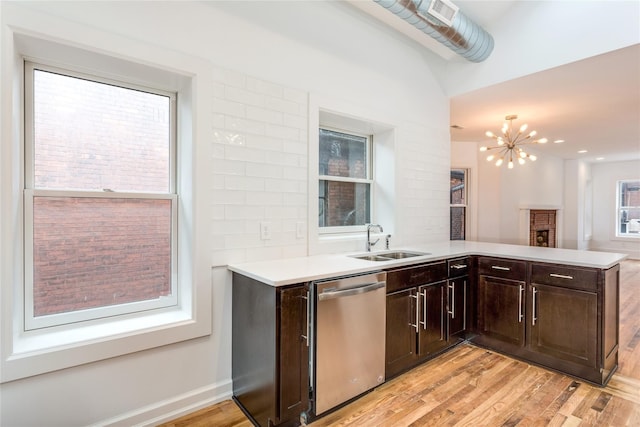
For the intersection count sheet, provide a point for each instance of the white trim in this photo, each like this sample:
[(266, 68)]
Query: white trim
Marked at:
[(338, 114), (27, 354), (630, 237)]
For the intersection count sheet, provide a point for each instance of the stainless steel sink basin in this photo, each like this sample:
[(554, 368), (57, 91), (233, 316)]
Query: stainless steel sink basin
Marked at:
[(388, 256)]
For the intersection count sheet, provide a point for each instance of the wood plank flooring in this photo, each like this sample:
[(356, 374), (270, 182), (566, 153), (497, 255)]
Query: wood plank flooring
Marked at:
[(470, 386)]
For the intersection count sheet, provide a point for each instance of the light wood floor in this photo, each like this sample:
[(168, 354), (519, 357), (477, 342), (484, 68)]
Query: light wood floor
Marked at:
[(470, 386)]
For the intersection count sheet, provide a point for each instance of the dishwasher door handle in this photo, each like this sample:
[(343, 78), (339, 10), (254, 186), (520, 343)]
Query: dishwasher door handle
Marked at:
[(369, 287)]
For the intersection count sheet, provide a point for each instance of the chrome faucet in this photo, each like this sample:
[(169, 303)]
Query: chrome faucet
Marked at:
[(369, 242)]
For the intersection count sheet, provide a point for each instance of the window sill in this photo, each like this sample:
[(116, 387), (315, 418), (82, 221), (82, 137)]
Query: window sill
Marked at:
[(628, 238), (42, 351)]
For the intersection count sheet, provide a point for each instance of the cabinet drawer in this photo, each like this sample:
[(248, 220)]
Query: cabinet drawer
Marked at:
[(416, 275), (459, 266), (569, 277), (505, 268)]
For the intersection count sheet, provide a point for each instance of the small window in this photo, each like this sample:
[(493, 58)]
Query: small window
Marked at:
[(458, 204), (100, 201), (345, 180), (628, 209)]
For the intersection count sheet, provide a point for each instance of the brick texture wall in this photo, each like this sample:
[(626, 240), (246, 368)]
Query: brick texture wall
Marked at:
[(95, 252)]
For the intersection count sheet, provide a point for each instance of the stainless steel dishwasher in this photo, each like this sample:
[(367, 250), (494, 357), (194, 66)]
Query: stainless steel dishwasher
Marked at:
[(350, 338)]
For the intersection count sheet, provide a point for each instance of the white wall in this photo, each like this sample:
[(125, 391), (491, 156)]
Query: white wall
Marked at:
[(578, 205), (604, 177), (504, 193), (267, 60)]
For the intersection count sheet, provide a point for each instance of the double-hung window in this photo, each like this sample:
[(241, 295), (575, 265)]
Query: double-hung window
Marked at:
[(628, 209), (458, 204), (345, 180), (100, 197)]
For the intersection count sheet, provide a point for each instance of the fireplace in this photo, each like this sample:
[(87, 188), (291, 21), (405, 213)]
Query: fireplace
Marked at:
[(542, 228)]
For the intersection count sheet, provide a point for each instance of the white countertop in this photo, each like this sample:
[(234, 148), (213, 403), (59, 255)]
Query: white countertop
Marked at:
[(297, 270)]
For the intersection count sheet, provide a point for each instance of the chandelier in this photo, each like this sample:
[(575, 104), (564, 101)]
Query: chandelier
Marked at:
[(510, 144)]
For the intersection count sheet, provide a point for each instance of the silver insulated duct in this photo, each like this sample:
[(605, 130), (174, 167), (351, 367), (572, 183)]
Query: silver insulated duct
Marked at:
[(443, 21)]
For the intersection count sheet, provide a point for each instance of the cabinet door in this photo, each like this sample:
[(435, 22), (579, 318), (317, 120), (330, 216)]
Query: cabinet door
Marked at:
[(501, 309), (457, 290), (564, 323), (432, 326), (294, 353), (400, 344)]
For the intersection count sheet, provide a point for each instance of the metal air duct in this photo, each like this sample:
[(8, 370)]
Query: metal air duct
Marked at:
[(463, 36)]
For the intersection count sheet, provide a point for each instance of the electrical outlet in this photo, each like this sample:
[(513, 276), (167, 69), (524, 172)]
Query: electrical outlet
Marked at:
[(300, 230), (265, 230)]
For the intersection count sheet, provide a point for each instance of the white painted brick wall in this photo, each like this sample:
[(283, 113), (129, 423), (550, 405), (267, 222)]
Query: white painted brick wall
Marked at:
[(259, 168)]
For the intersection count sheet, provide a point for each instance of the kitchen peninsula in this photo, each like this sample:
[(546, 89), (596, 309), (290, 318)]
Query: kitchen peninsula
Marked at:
[(556, 308)]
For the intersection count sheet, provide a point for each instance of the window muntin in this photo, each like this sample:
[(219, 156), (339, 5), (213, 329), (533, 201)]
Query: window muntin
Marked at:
[(628, 208), (100, 204), (458, 204), (345, 180)]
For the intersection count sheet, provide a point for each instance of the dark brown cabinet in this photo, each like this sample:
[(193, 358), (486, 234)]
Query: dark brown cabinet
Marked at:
[(501, 303), (400, 344), (500, 309), (573, 319), (458, 293), (426, 312), (457, 313), (270, 365), (416, 326), (563, 324), (558, 316), (432, 319)]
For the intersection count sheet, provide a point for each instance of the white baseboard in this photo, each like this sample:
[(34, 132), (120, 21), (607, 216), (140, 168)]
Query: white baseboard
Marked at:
[(173, 408)]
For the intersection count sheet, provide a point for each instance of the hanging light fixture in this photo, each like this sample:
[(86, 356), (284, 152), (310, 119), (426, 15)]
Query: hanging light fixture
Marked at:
[(510, 144)]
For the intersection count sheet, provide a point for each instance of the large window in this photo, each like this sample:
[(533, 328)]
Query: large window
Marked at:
[(345, 180), (628, 209), (100, 197), (458, 204)]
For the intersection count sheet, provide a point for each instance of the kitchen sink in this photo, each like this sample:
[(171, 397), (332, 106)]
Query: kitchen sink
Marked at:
[(388, 256)]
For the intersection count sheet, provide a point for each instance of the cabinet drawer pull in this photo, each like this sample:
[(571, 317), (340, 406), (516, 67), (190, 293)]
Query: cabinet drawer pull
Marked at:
[(497, 267), (459, 266), (561, 276)]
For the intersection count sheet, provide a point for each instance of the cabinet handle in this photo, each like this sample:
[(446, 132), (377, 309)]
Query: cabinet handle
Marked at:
[(561, 276), (497, 267), (424, 309), (306, 337), (417, 311), (452, 301), (533, 306), (459, 266), (464, 304), (520, 291), (442, 310)]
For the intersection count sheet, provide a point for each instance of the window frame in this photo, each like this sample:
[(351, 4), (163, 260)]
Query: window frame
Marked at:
[(620, 208), (31, 321), (27, 353), (464, 205), (369, 181)]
